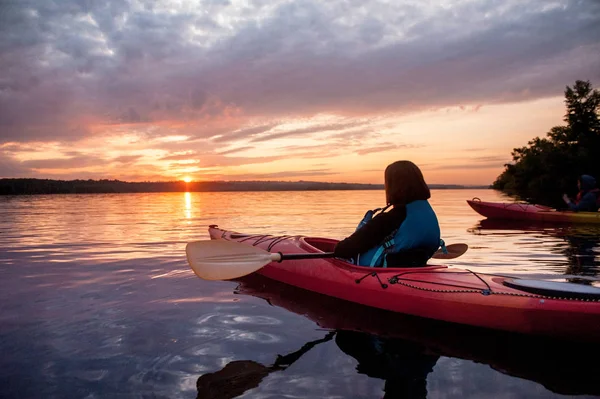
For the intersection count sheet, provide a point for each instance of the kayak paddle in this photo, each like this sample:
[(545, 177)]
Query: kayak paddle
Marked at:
[(225, 260)]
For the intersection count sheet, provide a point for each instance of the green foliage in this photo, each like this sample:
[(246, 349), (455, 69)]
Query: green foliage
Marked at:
[(548, 167)]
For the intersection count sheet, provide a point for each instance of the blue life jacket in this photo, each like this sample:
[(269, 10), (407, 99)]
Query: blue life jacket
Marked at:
[(420, 229)]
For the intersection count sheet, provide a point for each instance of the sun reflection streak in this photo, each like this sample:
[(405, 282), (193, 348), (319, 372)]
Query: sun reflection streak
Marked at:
[(188, 205)]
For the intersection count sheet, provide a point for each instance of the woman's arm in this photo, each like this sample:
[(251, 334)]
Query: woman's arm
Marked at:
[(371, 234)]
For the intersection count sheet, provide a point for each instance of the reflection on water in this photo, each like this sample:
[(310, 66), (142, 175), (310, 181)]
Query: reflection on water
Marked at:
[(403, 351), (403, 366), (188, 205), (577, 245), (241, 375), (98, 301)]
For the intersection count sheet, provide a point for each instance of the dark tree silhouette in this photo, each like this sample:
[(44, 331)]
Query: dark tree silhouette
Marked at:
[(548, 167), (46, 186)]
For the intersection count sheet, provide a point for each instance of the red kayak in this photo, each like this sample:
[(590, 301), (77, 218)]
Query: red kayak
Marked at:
[(437, 292), (532, 212)]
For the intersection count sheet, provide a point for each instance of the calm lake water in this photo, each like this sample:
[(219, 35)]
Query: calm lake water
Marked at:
[(98, 301)]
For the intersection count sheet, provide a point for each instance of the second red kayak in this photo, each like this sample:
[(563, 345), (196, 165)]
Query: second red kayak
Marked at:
[(435, 291), (532, 212)]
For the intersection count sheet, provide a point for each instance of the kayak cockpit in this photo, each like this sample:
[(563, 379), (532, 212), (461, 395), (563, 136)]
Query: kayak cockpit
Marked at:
[(321, 244)]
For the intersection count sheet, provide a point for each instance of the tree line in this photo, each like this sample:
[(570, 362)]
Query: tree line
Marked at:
[(547, 167), (47, 186)]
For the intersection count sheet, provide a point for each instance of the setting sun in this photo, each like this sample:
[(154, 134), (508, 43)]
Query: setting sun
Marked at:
[(187, 179)]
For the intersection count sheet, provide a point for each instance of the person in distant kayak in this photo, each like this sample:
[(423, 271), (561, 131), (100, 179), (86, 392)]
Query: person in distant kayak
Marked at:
[(588, 197), (407, 235)]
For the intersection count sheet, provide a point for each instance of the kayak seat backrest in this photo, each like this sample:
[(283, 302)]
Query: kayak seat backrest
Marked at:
[(414, 257)]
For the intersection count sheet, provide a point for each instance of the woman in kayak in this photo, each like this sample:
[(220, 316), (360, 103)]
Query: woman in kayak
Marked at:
[(588, 197), (407, 235)]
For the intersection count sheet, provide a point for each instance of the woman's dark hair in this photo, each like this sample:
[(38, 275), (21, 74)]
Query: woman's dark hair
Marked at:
[(404, 183)]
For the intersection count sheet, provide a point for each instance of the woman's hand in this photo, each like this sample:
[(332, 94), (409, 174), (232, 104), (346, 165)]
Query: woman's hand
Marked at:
[(566, 198)]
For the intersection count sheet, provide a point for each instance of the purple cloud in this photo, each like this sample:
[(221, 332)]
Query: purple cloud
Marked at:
[(234, 150), (309, 130), (275, 175), (127, 158), (10, 167), (243, 133), (71, 64), (63, 163)]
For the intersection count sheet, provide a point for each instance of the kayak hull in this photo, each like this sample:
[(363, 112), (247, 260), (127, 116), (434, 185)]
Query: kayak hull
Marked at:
[(530, 212), (435, 291)]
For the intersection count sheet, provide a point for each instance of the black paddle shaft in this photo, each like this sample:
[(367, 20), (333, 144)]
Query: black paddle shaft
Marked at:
[(317, 255)]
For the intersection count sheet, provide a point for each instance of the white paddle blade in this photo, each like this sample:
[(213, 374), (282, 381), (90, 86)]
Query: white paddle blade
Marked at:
[(454, 251), (224, 260)]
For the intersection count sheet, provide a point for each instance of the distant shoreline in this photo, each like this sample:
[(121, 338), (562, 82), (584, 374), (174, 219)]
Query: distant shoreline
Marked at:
[(47, 186)]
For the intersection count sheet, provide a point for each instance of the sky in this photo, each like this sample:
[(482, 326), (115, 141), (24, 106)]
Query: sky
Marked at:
[(284, 90)]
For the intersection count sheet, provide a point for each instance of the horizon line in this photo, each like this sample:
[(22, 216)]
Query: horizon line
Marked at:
[(181, 181)]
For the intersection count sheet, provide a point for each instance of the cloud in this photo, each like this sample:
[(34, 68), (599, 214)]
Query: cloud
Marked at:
[(71, 64), (127, 158), (384, 147), (297, 173), (309, 130), (274, 175), (467, 166), (9, 167), (243, 133), (64, 163), (313, 151), (179, 156), (484, 162), (450, 56), (234, 150), (218, 160), (117, 79), (358, 135), (498, 158)]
